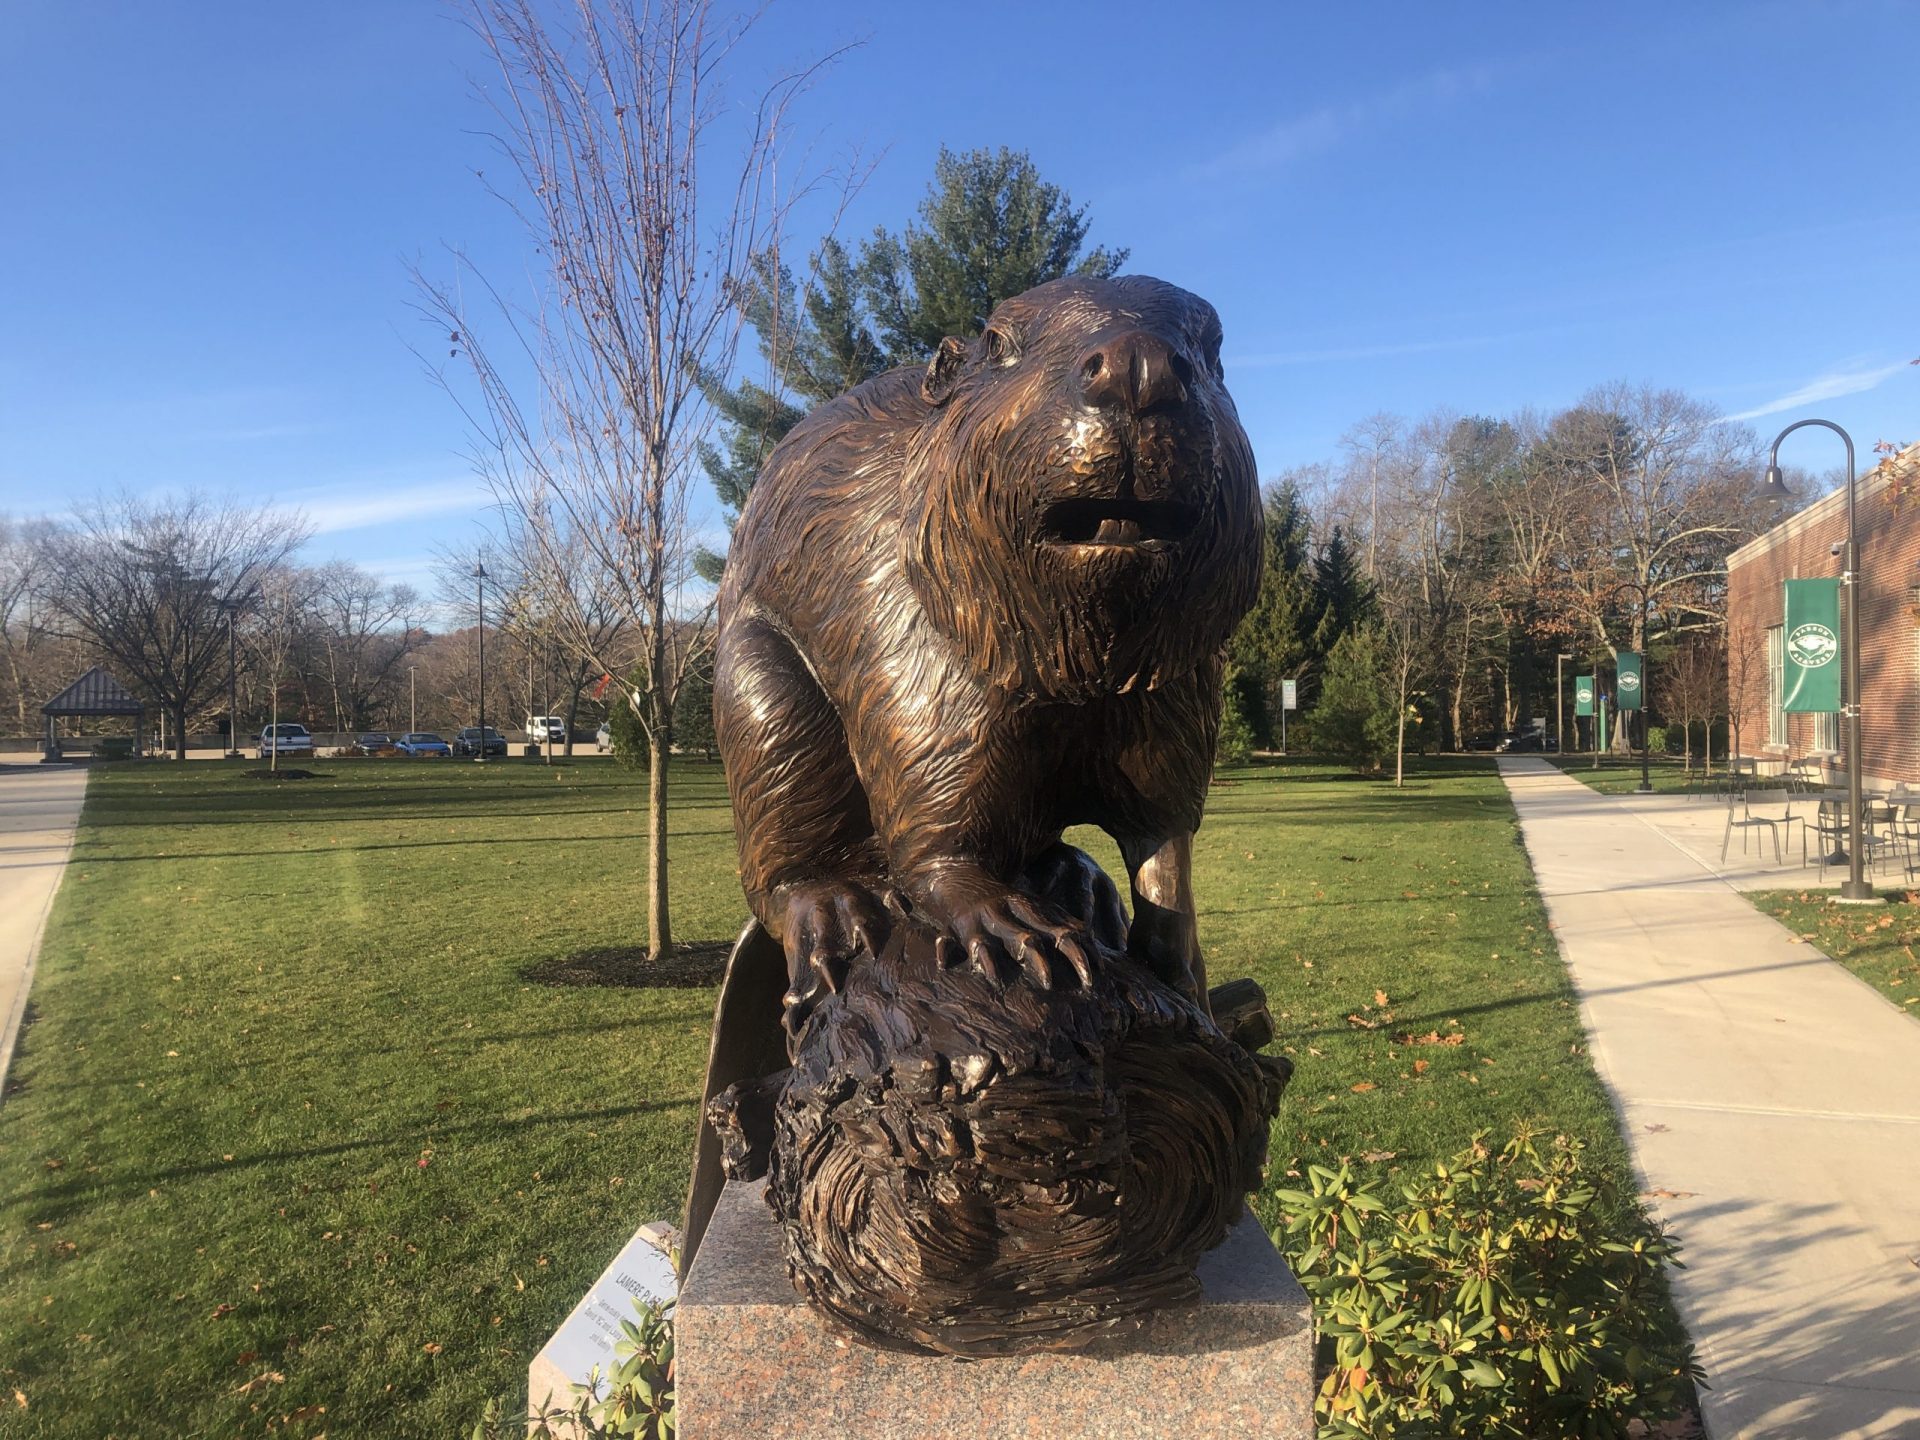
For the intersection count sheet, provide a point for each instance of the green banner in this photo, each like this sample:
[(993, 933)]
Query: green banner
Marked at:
[(1811, 678), (1583, 694), (1628, 675)]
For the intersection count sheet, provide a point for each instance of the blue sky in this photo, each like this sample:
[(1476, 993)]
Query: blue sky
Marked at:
[(212, 206)]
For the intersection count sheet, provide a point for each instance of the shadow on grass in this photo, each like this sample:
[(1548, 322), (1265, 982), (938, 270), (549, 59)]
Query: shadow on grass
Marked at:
[(94, 858), (90, 1190)]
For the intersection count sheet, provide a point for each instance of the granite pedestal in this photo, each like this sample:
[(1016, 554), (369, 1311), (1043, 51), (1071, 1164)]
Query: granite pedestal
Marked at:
[(752, 1359)]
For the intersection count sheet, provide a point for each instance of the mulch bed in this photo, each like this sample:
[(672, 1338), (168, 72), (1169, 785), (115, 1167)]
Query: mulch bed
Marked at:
[(696, 966), (289, 774)]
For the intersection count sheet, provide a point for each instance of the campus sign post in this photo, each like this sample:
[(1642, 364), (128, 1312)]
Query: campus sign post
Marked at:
[(1856, 888), (1629, 671), (1583, 693), (1289, 700)]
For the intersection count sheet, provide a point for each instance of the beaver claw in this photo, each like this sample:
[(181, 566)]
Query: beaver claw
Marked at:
[(1002, 933), (827, 927)]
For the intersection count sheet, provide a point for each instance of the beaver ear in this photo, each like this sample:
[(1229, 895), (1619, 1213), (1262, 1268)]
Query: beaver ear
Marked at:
[(943, 371)]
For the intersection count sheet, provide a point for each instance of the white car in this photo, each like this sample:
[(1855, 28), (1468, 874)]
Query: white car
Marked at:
[(285, 740), (603, 738), (547, 729)]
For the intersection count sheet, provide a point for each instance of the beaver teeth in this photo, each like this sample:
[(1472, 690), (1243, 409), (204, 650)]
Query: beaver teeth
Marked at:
[(1117, 522)]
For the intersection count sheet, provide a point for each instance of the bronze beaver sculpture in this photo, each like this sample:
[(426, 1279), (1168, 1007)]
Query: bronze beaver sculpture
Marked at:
[(970, 606)]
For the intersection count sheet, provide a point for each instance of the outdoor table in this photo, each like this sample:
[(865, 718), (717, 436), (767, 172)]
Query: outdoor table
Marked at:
[(1840, 799)]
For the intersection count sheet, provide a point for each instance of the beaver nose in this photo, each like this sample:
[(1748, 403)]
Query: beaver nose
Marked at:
[(1135, 369)]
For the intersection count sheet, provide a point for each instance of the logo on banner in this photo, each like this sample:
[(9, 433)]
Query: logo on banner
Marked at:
[(1584, 694), (1629, 682), (1812, 645)]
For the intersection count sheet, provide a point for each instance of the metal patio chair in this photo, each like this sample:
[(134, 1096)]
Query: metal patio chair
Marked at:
[(1829, 832), (1753, 809)]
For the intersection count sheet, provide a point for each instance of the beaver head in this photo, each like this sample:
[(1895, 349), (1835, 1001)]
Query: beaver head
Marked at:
[(1082, 504)]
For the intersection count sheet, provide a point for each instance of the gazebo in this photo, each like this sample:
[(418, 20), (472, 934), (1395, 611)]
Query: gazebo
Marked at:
[(94, 694)]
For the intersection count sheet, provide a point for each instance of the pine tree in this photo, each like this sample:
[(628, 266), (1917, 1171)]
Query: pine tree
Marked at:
[(1275, 639), (814, 350), (991, 228), (1234, 745), (1343, 597), (1358, 715)]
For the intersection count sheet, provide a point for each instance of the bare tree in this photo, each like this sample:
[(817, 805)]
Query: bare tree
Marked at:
[(1747, 679), (1374, 447), (143, 581), (26, 554), (1693, 685), (605, 118), (363, 631), (280, 610)]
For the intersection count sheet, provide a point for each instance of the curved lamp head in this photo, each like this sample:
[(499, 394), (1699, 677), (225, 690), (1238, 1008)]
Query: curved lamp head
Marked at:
[(1774, 487)]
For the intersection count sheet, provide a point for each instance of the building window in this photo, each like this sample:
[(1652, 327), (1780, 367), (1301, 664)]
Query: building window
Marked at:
[(1776, 685), (1826, 731)]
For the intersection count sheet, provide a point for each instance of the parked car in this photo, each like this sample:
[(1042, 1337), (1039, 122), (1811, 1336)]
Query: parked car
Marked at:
[(285, 739), (1524, 742), (374, 743), (472, 741), (547, 729), (422, 742), (603, 738)]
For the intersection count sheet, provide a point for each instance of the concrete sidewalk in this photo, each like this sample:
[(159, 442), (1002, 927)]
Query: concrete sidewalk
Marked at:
[(39, 807), (1773, 1106)]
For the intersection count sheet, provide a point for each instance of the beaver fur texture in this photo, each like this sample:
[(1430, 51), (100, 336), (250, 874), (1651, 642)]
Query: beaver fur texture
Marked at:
[(970, 606)]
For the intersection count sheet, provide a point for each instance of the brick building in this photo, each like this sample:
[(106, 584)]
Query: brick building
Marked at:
[(1802, 547)]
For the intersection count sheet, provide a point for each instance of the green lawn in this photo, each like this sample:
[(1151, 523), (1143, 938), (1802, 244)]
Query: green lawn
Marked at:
[(1877, 943), (293, 1129), (1619, 776)]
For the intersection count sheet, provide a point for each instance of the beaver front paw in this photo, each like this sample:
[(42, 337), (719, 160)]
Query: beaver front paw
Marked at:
[(828, 923), (1001, 932)]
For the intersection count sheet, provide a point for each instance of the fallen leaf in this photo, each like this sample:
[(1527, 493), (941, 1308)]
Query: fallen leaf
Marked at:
[(20, 1399), (246, 1357), (1362, 1022), (1433, 1037), (1420, 1066), (1662, 1194), (1363, 1087), (1380, 998), (221, 1311), (265, 1377), (1374, 1157), (431, 1347)]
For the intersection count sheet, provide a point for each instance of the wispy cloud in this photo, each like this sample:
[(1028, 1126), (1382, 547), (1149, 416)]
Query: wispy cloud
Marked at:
[(338, 508), (247, 434), (1849, 380), (1320, 130)]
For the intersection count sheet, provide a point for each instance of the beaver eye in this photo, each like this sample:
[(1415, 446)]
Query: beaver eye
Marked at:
[(1000, 348), (1210, 348)]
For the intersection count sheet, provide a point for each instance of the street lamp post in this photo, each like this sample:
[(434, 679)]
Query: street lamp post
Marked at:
[(1646, 719), (1559, 703), (413, 710), (232, 609), (480, 595), (1855, 887)]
